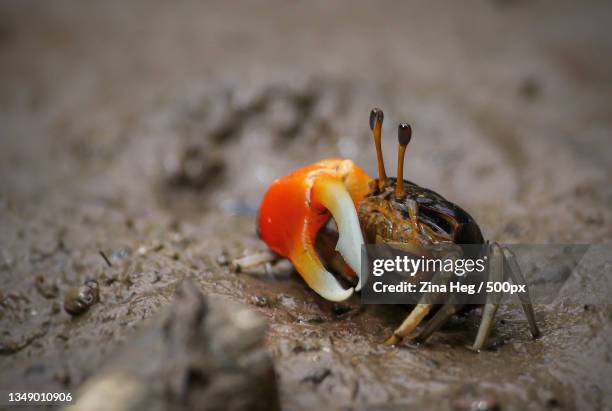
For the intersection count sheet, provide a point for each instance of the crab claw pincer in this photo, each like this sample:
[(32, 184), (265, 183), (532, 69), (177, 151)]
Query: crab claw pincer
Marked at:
[(297, 206)]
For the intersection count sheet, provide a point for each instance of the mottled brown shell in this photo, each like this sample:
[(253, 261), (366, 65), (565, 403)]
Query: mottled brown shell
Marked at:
[(385, 219)]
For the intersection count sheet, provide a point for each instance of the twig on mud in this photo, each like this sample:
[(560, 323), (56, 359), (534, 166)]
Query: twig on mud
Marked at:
[(105, 258)]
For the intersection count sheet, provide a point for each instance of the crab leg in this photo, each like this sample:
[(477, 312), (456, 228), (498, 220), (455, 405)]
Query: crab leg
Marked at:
[(496, 274), (410, 323), (421, 310), (517, 278), (254, 260), (439, 319)]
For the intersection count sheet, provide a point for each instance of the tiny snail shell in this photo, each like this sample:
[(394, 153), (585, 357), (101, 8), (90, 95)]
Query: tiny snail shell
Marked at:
[(79, 299)]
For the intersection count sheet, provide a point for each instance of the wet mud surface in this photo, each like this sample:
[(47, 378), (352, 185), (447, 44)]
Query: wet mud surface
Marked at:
[(136, 142)]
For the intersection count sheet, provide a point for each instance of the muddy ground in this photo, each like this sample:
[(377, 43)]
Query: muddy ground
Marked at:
[(150, 130)]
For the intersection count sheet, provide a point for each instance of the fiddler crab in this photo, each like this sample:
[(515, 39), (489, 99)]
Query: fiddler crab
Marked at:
[(294, 222)]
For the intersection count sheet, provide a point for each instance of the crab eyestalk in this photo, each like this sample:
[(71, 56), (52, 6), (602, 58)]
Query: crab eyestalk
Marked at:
[(404, 134), (376, 119)]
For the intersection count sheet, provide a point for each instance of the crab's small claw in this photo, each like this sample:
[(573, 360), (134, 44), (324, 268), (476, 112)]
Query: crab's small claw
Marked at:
[(297, 206)]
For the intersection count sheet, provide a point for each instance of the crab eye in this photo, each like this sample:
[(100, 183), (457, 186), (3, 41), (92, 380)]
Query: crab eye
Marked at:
[(404, 134), (376, 114)]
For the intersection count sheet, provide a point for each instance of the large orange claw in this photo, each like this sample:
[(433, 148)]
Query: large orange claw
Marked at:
[(297, 206)]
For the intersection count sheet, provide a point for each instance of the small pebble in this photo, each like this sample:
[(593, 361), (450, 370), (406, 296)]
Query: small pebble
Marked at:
[(79, 299), (487, 402)]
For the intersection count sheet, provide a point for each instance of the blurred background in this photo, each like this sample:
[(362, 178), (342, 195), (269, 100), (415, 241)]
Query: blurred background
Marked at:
[(150, 131)]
